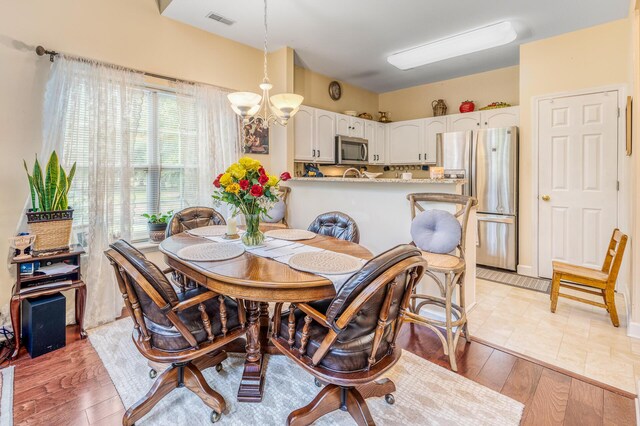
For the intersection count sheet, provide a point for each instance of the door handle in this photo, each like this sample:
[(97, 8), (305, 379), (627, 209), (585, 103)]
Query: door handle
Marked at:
[(546, 198), (318, 153), (314, 153), (419, 157)]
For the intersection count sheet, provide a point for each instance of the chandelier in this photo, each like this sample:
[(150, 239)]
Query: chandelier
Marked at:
[(268, 109)]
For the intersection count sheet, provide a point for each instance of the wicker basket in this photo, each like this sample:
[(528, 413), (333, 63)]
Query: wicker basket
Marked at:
[(52, 230)]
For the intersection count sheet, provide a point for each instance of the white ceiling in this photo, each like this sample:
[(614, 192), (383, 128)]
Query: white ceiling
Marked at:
[(350, 39)]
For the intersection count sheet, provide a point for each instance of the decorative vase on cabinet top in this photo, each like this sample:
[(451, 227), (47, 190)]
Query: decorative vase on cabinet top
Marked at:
[(439, 107), (467, 106)]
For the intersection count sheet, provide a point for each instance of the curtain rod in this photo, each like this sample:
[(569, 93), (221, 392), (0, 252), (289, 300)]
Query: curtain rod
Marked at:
[(41, 51)]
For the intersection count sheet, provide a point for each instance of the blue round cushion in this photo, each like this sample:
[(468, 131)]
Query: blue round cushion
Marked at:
[(436, 231), (276, 214)]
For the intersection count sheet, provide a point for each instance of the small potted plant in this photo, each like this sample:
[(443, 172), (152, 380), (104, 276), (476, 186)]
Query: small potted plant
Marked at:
[(247, 187), (157, 225), (50, 216)]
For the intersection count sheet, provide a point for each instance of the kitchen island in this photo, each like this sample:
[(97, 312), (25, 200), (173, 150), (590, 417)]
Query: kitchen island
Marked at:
[(381, 210)]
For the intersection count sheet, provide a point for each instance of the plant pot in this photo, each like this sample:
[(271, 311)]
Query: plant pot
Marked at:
[(467, 106), (253, 236), (52, 230), (157, 232)]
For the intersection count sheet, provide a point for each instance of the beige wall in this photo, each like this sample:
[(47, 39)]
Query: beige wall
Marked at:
[(315, 89), (483, 88), (589, 58), (124, 32)]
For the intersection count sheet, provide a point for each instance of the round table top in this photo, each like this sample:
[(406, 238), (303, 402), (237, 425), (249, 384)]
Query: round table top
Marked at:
[(258, 278)]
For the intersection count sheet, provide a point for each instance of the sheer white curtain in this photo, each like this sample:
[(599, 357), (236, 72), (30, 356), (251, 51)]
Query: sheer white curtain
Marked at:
[(210, 134), (91, 116)]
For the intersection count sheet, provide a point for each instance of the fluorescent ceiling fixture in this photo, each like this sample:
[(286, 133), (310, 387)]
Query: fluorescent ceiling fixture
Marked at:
[(457, 45)]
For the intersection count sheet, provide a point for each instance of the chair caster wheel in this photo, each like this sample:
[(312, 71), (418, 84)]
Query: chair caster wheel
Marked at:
[(390, 399), (153, 373), (215, 416), (317, 382), (219, 368)]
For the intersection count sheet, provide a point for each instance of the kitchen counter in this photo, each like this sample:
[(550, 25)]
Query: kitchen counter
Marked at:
[(381, 210), (378, 180)]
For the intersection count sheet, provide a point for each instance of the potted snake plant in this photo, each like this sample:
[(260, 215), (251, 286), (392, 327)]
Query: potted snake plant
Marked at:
[(50, 216)]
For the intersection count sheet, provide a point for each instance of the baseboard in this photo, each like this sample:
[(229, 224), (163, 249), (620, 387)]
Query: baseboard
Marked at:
[(637, 410), (633, 330), (526, 270)]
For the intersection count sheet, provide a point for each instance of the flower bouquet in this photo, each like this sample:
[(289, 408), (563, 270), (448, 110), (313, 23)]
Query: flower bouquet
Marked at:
[(250, 190)]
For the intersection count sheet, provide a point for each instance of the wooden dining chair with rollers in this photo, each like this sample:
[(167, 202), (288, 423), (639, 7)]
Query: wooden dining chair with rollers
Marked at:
[(184, 220), (349, 341), (184, 331), (447, 263), (602, 281)]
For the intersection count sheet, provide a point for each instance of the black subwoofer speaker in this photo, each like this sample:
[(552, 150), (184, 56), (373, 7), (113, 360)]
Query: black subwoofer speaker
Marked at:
[(43, 324)]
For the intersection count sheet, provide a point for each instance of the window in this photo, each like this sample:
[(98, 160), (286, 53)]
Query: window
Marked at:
[(163, 176)]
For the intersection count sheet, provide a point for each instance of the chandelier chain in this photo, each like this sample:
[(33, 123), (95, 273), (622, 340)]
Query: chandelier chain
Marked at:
[(265, 40)]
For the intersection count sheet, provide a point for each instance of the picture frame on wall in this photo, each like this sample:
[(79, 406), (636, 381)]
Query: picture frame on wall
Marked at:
[(255, 138)]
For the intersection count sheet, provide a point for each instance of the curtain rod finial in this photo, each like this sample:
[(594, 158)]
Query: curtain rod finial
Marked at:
[(41, 51)]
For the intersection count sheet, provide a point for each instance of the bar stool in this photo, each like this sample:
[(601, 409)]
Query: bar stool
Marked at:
[(452, 267)]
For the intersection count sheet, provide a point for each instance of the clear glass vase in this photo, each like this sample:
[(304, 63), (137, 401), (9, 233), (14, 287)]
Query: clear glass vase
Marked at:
[(252, 236)]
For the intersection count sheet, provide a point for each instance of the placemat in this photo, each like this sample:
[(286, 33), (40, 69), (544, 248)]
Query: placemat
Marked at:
[(325, 262), (290, 234), (211, 252), (208, 231)]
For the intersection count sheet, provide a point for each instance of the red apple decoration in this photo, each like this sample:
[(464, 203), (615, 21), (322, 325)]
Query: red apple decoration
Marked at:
[(467, 106)]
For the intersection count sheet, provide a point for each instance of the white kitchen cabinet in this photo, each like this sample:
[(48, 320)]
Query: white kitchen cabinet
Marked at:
[(376, 133), (500, 117), (314, 135), (304, 137), (463, 122), (325, 140), (432, 126), (349, 126), (406, 142)]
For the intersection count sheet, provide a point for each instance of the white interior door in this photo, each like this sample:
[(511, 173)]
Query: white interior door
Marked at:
[(577, 188)]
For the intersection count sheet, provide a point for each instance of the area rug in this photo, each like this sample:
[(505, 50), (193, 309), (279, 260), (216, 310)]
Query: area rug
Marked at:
[(509, 278), (426, 393), (6, 396)]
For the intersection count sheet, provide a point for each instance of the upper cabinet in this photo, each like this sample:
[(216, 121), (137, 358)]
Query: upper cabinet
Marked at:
[(463, 122), (314, 135), (432, 127), (376, 134), (500, 117), (406, 142), (349, 126)]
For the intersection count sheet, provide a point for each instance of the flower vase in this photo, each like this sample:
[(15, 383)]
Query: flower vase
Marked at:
[(253, 236)]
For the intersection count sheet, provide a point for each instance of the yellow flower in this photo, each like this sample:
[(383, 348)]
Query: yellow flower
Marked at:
[(249, 163), (234, 188), (273, 180), (226, 179), (237, 171)]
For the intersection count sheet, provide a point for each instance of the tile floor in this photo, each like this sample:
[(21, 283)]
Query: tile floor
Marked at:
[(578, 337)]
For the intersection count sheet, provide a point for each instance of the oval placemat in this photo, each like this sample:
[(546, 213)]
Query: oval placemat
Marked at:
[(290, 234), (208, 231), (210, 252), (325, 262)]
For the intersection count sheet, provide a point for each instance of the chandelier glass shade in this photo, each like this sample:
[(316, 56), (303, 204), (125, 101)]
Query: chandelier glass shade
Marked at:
[(268, 109)]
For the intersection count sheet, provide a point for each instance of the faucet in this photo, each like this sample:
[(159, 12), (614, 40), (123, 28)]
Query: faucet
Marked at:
[(344, 175)]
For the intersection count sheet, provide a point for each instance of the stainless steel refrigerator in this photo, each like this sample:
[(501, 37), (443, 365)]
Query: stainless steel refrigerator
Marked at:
[(488, 159)]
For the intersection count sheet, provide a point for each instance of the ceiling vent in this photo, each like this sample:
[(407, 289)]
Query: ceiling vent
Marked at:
[(220, 18)]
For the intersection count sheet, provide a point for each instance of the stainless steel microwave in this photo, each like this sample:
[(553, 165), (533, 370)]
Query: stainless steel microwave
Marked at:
[(351, 150)]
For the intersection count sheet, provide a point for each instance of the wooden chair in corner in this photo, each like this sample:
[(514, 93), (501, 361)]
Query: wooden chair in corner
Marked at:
[(185, 331), (349, 341), (603, 280)]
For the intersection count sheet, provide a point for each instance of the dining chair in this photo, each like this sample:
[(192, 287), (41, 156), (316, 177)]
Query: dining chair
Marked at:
[(576, 277), (350, 341), (452, 268), (336, 224), (186, 331), (277, 215), (185, 219)]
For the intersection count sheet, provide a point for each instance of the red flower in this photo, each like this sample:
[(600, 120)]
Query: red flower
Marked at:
[(263, 179), (244, 184), (262, 172), (285, 176), (216, 182), (256, 190)]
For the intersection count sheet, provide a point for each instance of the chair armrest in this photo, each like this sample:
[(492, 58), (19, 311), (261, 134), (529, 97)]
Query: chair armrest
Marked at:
[(168, 270), (196, 300), (313, 313)]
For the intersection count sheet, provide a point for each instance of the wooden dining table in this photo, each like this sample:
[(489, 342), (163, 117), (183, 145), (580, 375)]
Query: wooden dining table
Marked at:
[(257, 281)]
